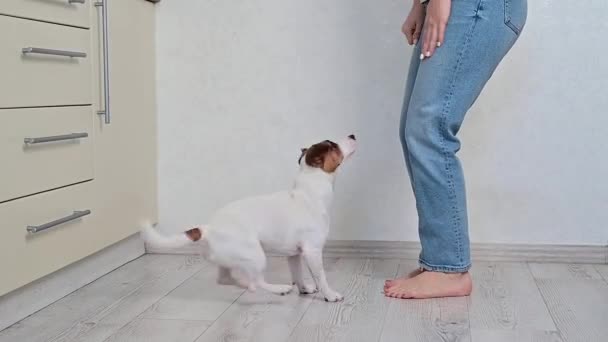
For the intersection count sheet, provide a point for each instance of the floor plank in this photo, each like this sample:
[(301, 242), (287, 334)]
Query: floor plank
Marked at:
[(199, 298), (505, 297), (360, 316), (176, 298), (577, 301), (513, 335), (109, 321), (89, 300), (158, 330), (564, 271), (262, 316), (445, 319)]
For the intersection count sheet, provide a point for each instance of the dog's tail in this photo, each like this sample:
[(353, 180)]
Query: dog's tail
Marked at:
[(155, 239)]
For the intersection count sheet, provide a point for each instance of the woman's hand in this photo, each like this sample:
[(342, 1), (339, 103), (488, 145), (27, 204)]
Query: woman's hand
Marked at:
[(412, 27), (437, 15)]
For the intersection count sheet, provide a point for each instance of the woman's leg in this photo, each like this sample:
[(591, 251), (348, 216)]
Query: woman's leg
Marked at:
[(409, 88), (478, 35)]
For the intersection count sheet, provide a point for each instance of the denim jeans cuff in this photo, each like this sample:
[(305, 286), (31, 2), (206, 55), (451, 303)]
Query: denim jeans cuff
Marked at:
[(442, 268)]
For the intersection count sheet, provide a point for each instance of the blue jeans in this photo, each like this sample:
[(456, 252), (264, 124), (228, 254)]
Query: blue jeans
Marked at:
[(438, 93)]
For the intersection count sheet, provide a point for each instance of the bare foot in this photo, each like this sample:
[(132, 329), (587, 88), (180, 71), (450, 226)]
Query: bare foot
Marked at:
[(431, 285), (389, 282)]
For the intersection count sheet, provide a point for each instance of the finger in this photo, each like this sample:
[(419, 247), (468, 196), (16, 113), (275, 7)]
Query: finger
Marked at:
[(429, 29), (417, 32), (432, 41), (409, 34), (425, 40), (441, 34)]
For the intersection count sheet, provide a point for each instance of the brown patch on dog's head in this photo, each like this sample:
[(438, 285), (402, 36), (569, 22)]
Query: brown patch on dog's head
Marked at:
[(325, 155), (194, 234)]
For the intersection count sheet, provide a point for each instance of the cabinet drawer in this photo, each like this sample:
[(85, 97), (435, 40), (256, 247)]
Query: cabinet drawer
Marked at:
[(35, 166), (66, 12), (36, 79), (26, 256)]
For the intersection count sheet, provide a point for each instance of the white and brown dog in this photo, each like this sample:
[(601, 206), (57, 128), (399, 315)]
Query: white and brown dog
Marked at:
[(292, 223)]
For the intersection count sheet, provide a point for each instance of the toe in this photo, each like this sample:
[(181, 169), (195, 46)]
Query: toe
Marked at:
[(397, 293), (390, 288)]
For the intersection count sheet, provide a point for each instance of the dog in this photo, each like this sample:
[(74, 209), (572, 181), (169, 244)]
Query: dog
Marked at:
[(293, 223)]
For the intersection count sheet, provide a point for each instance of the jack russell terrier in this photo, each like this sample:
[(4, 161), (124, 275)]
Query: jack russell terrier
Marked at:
[(292, 223)]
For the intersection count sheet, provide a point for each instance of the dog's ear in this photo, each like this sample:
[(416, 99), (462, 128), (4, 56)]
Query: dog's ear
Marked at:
[(315, 155), (302, 153), (325, 155)]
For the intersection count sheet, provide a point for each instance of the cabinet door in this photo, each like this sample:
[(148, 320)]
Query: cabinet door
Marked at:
[(125, 149)]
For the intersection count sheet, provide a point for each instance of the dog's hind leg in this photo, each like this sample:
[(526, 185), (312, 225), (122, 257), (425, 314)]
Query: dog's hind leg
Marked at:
[(251, 280), (242, 278), (280, 289), (224, 277), (250, 272)]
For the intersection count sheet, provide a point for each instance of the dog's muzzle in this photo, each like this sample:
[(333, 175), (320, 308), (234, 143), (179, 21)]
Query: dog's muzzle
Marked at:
[(348, 145)]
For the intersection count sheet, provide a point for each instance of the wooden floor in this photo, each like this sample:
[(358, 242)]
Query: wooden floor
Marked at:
[(175, 298)]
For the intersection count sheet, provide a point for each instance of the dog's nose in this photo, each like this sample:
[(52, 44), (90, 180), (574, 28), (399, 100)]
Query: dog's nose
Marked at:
[(352, 136)]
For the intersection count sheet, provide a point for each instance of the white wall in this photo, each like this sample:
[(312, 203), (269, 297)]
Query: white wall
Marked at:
[(243, 84)]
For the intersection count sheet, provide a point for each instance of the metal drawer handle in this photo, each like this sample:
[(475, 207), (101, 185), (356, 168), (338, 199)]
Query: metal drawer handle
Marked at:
[(74, 216), (76, 1), (40, 140), (106, 62), (42, 51)]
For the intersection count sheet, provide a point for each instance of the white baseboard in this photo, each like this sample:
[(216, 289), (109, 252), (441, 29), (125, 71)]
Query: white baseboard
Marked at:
[(479, 251), (20, 303)]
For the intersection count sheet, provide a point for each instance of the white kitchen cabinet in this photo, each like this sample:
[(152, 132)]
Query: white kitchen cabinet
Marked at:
[(85, 183)]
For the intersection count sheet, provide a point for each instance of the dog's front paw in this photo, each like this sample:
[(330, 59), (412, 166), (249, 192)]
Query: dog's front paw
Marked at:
[(333, 296), (307, 289)]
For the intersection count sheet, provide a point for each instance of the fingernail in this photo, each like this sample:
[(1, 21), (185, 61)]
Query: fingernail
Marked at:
[(438, 44), (428, 53), (415, 41), (421, 56)]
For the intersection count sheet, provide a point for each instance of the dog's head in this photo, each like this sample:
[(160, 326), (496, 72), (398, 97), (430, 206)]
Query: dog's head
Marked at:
[(328, 155)]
